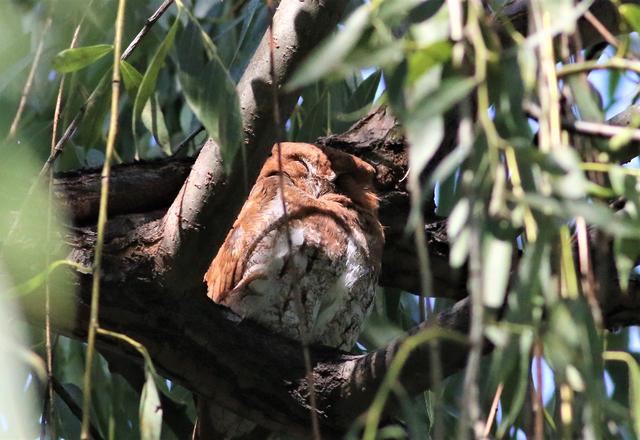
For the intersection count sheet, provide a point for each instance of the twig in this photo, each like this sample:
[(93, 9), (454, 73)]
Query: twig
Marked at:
[(587, 128), (182, 145), (102, 220), (147, 26), (492, 412), (71, 129), (48, 415), (304, 325), (73, 406), (587, 66), (602, 30), (132, 342), (586, 271), (471, 410), (538, 403), (29, 83)]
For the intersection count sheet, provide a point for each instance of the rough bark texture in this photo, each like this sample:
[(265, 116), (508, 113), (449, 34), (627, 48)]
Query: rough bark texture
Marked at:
[(158, 248)]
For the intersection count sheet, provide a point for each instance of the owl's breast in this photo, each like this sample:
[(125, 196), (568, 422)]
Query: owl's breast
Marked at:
[(316, 285)]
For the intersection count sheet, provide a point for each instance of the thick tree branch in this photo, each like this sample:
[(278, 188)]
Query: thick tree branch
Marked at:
[(240, 366)]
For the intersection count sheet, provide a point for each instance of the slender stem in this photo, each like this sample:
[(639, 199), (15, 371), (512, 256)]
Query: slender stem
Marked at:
[(132, 342), (182, 145), (589, 285), (494, 409), (73, 406), (538, 404), (606, 168), (588, 128), (147, 25), (602, 30), (47, 299), (102, 220), (304, 325), (29, 83), (471, 410), (588, 66)]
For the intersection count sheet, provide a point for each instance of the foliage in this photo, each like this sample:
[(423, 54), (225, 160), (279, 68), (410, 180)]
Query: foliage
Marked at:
[(512, 188)]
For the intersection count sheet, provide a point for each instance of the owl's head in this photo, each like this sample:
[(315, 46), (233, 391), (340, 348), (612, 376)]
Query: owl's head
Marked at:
[(320, 171)]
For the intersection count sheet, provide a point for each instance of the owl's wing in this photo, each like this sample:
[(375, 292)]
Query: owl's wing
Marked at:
[(228, 267)]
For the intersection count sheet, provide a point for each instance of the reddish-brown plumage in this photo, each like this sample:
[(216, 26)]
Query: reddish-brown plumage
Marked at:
[(319, 284)]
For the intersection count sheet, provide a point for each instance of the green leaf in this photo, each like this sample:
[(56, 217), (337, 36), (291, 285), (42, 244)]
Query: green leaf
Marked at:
[(153, 119), (362, 98), (458, 218), (571, 183), (210, 92), (424, 59), (425, 137), (150, 409), (626, 252), (634, 376), (33, 283), (330, 55), (131, 77), (496, 254), (631, 14), (516, 381), (425, 125), (148, 83), (70, 60), (594, 213)]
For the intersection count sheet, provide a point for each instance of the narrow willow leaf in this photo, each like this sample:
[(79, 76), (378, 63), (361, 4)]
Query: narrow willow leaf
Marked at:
[(634, 379), (150, 409), (361, 100), (631, 14), (70, 60), (626, 252), (153, 119), (131, 77), (496, 258), (148, 83), (572, 183), (519, 381), (563, 14), (424, 59), (395, 9), (458, 218), (425, 125), (587, 98), (330, 55), (460, 248), (425, 137), (210, 92), (35, 282), (594, 213)]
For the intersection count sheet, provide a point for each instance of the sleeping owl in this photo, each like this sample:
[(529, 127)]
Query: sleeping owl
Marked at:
[(307, 271)]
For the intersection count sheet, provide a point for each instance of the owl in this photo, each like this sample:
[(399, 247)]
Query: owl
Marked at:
[(307, 271)]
